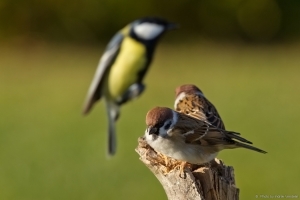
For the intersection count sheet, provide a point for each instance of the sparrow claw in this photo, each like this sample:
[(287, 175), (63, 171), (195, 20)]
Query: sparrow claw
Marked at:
[(182, 175), (182, 167)]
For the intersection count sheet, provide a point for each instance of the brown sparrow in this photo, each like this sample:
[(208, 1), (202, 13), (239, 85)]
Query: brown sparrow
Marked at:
[(188, 139), (191, 101)]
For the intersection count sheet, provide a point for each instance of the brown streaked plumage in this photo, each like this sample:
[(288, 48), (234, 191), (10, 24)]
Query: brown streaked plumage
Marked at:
[(189, 139), (191, 101)]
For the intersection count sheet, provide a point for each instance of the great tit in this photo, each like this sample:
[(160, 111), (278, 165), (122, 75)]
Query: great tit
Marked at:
[(122, 68)]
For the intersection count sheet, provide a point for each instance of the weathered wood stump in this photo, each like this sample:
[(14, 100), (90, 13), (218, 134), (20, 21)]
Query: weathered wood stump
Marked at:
[(213, 181)]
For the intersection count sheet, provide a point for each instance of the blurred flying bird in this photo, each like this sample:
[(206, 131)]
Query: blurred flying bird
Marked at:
[(122, 67)]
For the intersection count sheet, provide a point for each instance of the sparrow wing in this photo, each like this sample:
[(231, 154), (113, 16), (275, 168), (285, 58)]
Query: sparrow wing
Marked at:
[(191, 105), (213, 139), (106, 61), (199, 107), (212, 115), (195, 130)]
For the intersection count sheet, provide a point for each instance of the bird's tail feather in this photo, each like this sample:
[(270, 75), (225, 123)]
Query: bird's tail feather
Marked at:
[(234, 135), (112, 113), (239, 144)]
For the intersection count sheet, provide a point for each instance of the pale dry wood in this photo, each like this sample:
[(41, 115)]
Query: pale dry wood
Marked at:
[(213, 181)]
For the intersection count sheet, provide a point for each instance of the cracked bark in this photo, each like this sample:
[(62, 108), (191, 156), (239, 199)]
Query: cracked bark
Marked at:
[(214, 181)]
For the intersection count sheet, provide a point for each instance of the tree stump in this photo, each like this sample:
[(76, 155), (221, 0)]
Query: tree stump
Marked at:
[(213, 181)]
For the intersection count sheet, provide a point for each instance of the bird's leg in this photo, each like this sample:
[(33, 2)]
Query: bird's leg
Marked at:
[(168, 163), (166, 160), (133, 92), (162, 159), (181, 169)]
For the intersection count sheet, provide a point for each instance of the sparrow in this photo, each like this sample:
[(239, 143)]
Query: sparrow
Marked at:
[(191, 101), (189, 139), (119, 76)]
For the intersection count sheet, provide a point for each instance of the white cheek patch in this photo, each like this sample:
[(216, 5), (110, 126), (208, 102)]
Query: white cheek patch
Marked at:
[(175, 118), (180, 97), (163, 132), (148, 31), (170, 130), (150, 137), (147, 131)]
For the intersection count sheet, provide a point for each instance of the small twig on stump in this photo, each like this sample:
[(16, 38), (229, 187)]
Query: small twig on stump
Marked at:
[(212, 182)]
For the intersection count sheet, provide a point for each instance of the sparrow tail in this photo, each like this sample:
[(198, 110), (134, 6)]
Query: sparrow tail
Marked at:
[(234, 135), (238, 144)]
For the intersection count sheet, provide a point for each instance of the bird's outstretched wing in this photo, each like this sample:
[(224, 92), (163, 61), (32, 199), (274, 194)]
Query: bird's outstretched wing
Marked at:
[(106, 61)]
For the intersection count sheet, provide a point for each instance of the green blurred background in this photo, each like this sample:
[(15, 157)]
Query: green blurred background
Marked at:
[(244, 55)]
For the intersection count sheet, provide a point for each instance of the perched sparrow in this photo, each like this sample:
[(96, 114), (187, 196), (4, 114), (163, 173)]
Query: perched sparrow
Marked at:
[(188, 139), (191, 101), (121, 70)]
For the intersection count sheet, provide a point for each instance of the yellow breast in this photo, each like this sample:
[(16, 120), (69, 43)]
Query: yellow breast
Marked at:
[(124, 71)]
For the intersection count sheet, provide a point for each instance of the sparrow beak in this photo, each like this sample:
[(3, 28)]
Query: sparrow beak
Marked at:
[(152, 130)]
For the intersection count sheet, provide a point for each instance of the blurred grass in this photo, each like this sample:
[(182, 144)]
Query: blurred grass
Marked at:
[(49, 151)]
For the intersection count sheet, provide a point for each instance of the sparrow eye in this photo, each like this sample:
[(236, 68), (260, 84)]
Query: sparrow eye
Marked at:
[(167, 126), (152, 130)]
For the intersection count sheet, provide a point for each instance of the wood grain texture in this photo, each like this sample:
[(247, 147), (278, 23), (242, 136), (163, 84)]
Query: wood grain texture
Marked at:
[(213, 181)]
